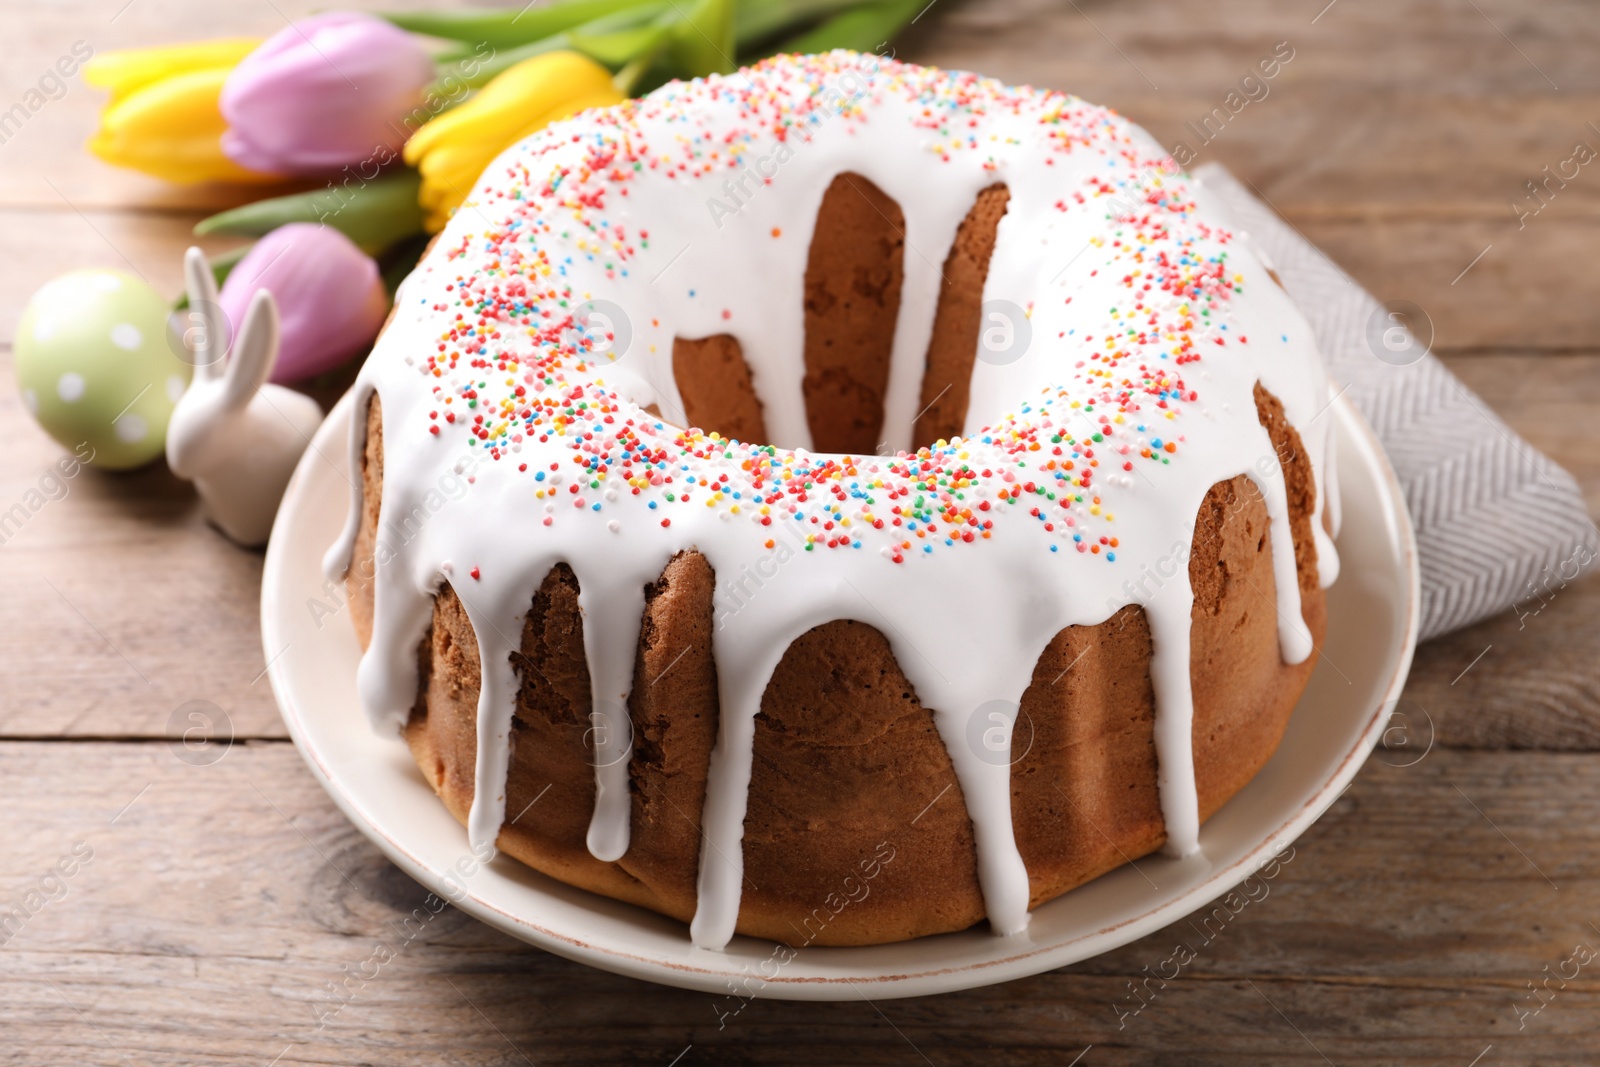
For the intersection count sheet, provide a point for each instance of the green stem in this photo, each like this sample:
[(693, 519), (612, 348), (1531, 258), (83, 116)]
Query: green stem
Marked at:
[(374, 213), (511, 27), (862, 29), (613, 39), (703, 40), (628, 78), (756, 21), (619, 39), (645, 39), (476, 73)]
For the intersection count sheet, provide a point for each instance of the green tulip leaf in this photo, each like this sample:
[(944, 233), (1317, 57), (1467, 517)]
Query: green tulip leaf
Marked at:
[(618, 40), (476, 73), (758, 21), (512, 26), (374, 214), (861, 29), (703, 41)]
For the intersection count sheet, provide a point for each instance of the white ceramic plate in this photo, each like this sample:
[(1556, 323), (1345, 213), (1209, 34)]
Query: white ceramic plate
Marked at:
[(1372, 631)]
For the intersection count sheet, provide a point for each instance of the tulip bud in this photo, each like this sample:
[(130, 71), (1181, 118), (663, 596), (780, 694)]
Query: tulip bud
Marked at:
[(163, 117), (452, 151), (331, 300), (331, 90)]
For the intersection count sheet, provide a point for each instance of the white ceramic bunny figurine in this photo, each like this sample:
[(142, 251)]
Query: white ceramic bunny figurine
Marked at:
[(236, 437)]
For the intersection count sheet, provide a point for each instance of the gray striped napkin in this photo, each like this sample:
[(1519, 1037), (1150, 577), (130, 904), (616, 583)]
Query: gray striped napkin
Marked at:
[(1497, 522)]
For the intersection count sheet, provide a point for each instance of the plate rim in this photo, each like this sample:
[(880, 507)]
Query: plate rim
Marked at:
[(1035, 959)]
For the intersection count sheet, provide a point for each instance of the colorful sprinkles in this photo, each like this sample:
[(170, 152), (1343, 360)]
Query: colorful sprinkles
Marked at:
[(513, 364)]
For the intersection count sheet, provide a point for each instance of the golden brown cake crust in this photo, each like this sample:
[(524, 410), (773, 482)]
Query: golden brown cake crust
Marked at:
[(856, 830)]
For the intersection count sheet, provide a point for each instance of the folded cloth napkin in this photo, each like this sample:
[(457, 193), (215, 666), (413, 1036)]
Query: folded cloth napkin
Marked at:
[(1497, 522)]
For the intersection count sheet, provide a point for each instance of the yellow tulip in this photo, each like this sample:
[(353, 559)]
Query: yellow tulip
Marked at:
[(163, 117), (452, 150)]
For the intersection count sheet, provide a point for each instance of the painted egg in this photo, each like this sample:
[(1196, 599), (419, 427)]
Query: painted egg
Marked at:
[(95, 367)]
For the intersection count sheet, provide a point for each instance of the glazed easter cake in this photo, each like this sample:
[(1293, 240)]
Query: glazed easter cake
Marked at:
[(839, 502)]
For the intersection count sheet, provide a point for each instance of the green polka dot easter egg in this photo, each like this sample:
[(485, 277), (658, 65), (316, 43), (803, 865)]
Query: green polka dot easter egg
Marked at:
[(95, 368)]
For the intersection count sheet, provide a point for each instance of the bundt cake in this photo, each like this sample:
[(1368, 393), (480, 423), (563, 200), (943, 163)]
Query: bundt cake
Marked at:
[(838, 502)]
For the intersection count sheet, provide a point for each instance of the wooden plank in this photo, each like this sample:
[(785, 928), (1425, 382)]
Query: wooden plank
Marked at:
[(1380, 107), (1437, 86), (1549, 398), (223, 901), (123, 604), (1524, 679), (1409, 46), (112, 636), (43, 243), (1404, 172), (1523, 293)]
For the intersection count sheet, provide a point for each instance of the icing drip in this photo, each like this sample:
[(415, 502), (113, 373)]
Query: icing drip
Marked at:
[(1294, 638), (1076, 484), (612, 601), (1169, 678), (1326, 510), (496, 625), (932, 232), (1328, 483)]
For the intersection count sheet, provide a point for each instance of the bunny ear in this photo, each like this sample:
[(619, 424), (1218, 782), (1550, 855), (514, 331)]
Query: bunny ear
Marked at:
[(255, 350), (209, 343)]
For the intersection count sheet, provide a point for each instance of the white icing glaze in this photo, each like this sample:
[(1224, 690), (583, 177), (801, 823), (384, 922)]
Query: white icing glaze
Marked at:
[(1138, 297)]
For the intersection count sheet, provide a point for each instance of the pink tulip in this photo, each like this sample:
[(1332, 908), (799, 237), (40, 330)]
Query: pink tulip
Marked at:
[(331, 300), (330, 90)]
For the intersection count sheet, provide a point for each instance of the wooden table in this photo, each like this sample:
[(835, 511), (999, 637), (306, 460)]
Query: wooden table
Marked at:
[(226, 903)]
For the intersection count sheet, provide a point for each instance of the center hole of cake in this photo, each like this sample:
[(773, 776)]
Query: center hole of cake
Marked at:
[(853, 281)]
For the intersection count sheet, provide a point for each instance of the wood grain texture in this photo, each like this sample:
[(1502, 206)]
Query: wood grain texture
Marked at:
[(1549, 398), (1395, 138), (226, 902)]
